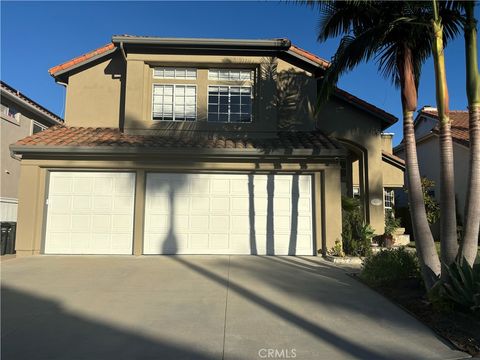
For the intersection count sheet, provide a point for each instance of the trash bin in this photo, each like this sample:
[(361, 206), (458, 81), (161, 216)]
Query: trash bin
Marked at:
[(8, 231)]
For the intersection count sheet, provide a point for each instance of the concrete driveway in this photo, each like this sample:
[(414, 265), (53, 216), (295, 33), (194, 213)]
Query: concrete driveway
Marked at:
[(201, 307)]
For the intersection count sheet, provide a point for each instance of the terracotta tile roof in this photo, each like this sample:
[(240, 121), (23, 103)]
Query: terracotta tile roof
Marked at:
[(65, 136), (459, 125), (322, 62), (7, 88), (81, 58)]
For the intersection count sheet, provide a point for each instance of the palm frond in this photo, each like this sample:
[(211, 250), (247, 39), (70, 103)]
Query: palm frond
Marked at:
[(352, 51)]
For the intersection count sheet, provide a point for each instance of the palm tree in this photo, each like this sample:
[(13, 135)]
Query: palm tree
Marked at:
[(397, 35), (468, 247), (448, 219)]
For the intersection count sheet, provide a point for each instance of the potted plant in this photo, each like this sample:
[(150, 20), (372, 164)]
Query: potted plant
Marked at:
[(391, 225)]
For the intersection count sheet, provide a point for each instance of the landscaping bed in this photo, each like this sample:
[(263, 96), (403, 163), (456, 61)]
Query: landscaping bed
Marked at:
[(461, 329)]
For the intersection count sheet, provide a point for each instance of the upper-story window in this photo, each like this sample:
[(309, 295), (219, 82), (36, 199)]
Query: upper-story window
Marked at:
[(230, 103), (230, 75), (37, 127), (174, 73), (10, 111), (230, 95), (174, 102)]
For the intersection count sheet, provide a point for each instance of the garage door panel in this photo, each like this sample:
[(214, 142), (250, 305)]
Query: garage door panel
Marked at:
[(59, 222), (60, 203), (122, 204), (219, 186), (282, 205), (61, 186), (199, 204), (81, 221), (239, 205), (219, 242), (219, 224), (220, 204), (101, 223), (199, 186), (158, 204), (82, 202), (199, 223), (198, 241), (222, 217), (83, 186), (102, 203)]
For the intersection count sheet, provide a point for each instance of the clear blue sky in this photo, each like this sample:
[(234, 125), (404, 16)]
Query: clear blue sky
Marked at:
[(38, 35)]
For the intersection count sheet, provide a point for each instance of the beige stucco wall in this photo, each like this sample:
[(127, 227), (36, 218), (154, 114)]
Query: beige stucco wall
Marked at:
[(283, 95), (387, 143), (429, 162), (34, 189), (93, 96), (393, 176), (102, 95), (11, 130), (357, 129)]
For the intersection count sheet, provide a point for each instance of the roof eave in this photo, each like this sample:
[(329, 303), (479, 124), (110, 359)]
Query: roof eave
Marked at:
[(275, 44), (221, 152), (47, 117), (393, 162), (386, 121), (61, 72)]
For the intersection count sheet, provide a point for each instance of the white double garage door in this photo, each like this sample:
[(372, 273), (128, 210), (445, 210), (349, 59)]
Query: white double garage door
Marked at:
[(93, 213)]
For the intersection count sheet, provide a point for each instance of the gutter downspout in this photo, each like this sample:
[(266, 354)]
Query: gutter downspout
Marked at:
[(123, 91), (122, 49)]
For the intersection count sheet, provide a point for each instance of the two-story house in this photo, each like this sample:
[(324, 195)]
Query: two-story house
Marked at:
[(200, 146), (427, 134), (21, 117)]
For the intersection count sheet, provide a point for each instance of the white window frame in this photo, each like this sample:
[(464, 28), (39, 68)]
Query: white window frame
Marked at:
[(39, 125), (173, 103), (15, 117), (356, 191), (175, 69), (391, 194), (211, 71), (229, 95)]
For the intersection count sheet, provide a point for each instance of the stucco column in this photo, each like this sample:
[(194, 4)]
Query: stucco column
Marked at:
[(139, 217), (331, 207), (375, 190), (31, 202)]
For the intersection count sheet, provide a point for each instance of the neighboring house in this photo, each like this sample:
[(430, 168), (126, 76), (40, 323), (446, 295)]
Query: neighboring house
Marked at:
[(200, 146), (21, 117), (427, 136)]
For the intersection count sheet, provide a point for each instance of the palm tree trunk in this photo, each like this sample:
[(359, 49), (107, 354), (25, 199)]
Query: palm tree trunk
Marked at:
[(468, 248), (427, 254), (448, 219), (424, 243)]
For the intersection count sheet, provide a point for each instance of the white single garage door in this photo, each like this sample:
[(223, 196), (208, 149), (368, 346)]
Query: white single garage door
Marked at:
[(228, 214), (90, 213)]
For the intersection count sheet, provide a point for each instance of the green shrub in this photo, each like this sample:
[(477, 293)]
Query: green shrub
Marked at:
[(391, 223), (462, 288), (390, 266), (337, 249), (356, 235)]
